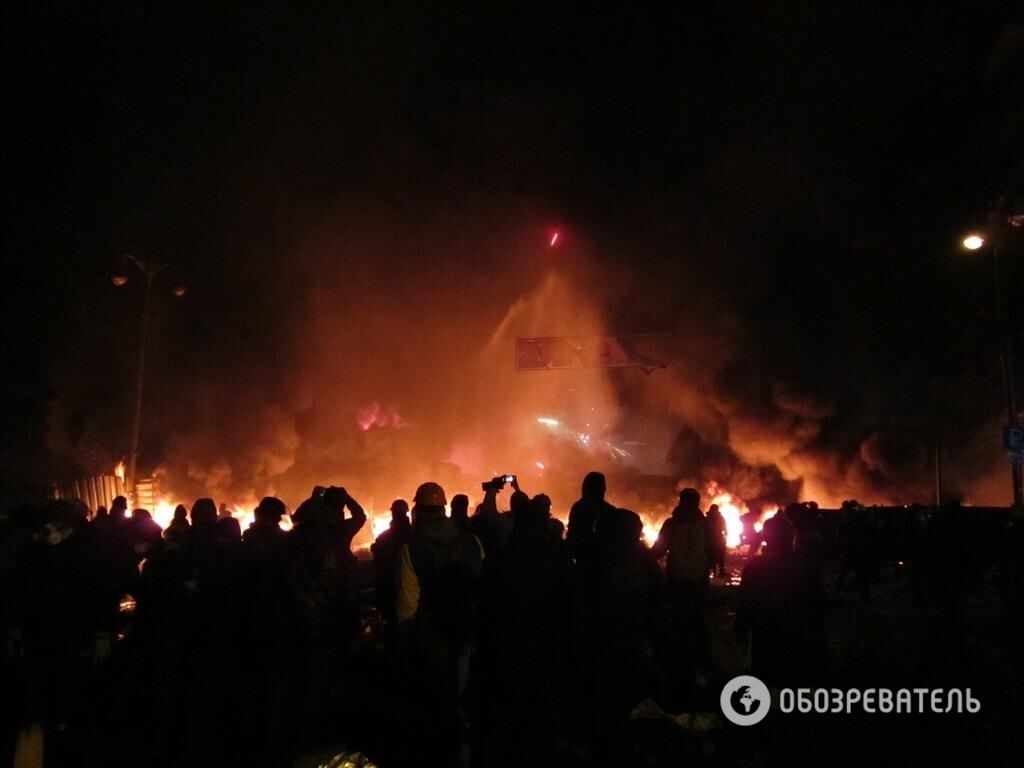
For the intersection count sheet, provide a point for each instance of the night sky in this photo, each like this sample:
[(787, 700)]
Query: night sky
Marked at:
[(791, 177)]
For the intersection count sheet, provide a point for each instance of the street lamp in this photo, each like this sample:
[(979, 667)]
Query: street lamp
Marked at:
[(973, 241), (149, 270), (1000, 228)]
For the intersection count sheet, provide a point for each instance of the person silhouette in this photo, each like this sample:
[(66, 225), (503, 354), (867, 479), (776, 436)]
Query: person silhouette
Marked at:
[(584, 517), (436, 610), (179, 526), (716, 533), (460, 510), (385, 557), (774, 608), (683, 542)]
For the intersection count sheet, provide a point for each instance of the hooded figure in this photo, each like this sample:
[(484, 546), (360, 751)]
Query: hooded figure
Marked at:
[(203, 514), (385, 556), (228, 524), (683, 538), (264, 554), (460, 510), (716, 534), (179, 526), (772, 610), (584, 517)]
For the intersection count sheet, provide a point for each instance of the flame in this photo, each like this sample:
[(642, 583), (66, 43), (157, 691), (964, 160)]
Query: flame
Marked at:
[(764, 518), (651, 529), (731, 507), (378, 523), (376, 415), (119, 471), (163, 513), (732, 510)]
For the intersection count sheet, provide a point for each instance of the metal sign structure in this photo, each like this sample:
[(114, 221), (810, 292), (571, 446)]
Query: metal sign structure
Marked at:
[(548, 353)]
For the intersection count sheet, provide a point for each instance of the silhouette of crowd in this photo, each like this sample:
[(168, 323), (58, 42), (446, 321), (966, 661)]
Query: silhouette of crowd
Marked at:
[(486, 639)]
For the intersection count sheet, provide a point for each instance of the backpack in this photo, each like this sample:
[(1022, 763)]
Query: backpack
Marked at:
[(448, 575)]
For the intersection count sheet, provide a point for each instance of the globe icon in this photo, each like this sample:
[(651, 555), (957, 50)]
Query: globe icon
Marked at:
[(744, 701)]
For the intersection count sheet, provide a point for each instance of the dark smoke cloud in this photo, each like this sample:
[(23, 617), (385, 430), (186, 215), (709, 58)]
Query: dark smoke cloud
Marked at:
[(384, 356), (360, 244), (377, 351)]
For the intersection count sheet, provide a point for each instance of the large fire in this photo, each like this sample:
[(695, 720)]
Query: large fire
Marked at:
[(731, 507), (732, 510), (163, 513)]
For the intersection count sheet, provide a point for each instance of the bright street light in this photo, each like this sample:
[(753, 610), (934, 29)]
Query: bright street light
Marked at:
[(973, 241), (1003, 216)]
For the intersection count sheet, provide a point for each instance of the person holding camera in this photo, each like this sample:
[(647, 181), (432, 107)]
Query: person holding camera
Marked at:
[(489, 525)]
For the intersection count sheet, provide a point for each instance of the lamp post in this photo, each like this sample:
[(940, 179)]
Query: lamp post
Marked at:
[(149, 270), (1001, 227)]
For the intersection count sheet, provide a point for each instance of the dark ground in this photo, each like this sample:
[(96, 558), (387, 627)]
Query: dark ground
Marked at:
[(888, 643)]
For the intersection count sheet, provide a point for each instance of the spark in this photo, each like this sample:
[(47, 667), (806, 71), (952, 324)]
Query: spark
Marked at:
[(554, 240), (549, 422)]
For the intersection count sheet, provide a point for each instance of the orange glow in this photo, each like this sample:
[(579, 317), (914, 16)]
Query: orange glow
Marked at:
[(764, 518), (731, 511), (378, 523), (652, 518), (376, 415), (119, 471), (650, 530), (163, 513)]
